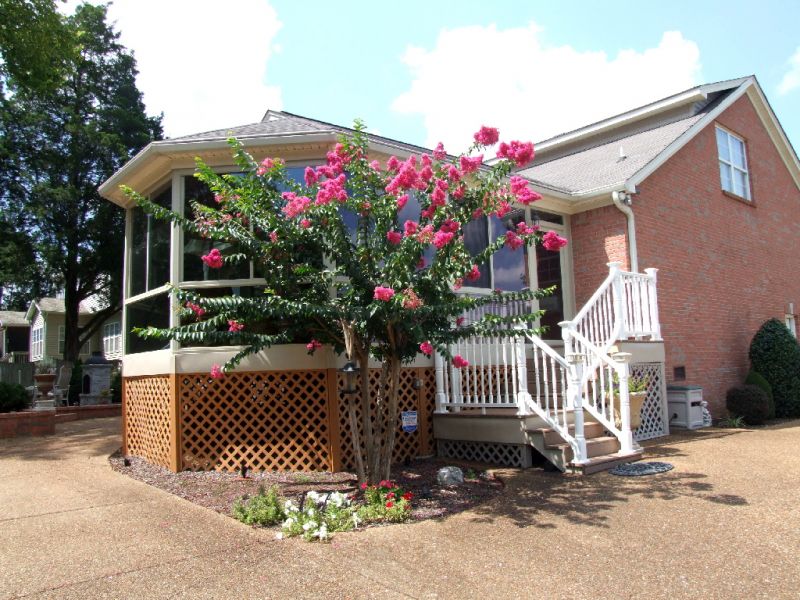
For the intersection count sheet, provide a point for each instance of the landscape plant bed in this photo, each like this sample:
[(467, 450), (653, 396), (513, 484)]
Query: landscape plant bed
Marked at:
[(219, 490)]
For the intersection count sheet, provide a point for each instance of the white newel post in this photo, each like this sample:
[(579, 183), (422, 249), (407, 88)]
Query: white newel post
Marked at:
[(626, 441), (524, 399), (575, 362), (618, 295), (441, 394), (653, 295)]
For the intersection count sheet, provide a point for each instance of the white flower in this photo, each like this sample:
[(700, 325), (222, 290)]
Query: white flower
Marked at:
[(308, 525), (288, 523), (356, 520), (290, 506), (338, 499), (322, 532)]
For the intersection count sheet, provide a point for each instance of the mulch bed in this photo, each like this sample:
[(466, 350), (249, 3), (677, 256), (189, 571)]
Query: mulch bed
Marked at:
[(219, 490)]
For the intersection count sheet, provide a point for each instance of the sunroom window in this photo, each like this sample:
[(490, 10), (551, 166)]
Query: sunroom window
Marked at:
[(733, 164), (150, 247)]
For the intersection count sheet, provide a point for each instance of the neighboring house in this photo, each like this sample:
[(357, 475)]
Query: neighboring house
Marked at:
[(703, 186), (46, 317), (14, 336)]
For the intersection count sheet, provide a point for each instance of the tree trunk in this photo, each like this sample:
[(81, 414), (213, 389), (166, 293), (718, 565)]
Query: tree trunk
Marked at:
[(392, 365)]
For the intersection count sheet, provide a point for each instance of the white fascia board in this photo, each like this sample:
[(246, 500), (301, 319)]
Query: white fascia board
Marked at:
[(683, 139), (775, 131), (154, 149)]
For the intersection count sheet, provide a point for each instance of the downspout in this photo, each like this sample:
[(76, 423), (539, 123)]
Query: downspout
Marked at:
[(623, 201)]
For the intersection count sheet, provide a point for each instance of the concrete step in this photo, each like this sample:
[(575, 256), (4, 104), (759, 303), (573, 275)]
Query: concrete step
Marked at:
[(606, 462)]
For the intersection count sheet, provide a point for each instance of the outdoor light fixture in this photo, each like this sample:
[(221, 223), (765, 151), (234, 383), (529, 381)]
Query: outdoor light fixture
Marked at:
[(535, 219), (349, 371), (418, 384)]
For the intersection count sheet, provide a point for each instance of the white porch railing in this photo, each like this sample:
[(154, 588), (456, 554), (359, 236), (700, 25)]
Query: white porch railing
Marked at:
[(526, 374)]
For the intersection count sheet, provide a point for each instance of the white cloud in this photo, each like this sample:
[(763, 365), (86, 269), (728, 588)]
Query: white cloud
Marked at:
[(202, 62), (791, 80), (510, 79)]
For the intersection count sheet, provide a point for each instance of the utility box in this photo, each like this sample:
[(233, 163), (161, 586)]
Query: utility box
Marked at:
[(685, 405)]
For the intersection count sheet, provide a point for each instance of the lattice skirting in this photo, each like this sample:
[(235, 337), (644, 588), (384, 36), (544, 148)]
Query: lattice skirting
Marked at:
[(509, 455), (654, 409), (266, 420)]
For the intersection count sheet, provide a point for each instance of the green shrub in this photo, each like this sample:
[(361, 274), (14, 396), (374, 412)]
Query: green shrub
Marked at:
[(75, 384), (13, 397), (775, 354), (757, 379), (749, 402), (116, 386), (265, 509)]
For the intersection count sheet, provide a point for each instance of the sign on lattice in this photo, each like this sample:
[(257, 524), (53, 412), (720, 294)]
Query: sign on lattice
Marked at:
[(654, 409), (147, 420)]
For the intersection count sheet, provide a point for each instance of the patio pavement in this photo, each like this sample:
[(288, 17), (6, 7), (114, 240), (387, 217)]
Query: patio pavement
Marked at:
[(725, 523)]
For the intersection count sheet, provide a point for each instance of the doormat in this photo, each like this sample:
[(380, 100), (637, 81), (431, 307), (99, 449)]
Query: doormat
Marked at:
[(638, 469)]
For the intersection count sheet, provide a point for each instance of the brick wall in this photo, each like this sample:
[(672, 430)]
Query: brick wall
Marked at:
[(597, 237), (725, 265)]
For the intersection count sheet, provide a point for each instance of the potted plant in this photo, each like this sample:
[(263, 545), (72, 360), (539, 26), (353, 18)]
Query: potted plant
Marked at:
[(637, 393), (45, 376)]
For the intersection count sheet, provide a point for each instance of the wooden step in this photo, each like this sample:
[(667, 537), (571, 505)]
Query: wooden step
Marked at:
[(591, 429), (606, 462), (598, 446)]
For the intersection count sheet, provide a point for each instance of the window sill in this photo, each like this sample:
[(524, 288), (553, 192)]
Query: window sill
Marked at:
[(738, 198)]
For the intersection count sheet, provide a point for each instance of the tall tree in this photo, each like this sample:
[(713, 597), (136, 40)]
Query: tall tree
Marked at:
[(60, 142)]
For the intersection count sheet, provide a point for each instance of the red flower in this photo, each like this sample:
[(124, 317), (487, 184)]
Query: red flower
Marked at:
[(389, 504), (364, 485), (408, 496), (390, 495)]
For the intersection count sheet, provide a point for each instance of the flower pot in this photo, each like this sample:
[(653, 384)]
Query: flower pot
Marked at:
[(45, 382), (637, 401)]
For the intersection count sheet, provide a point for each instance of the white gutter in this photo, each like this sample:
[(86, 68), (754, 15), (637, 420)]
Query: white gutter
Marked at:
[(622, 200)]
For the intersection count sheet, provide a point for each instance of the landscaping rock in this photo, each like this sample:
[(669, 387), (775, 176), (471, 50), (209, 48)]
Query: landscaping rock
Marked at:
[(450, 476)]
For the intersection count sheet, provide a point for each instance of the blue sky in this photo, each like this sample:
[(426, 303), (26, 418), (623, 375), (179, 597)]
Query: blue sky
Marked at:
[(424, 71)]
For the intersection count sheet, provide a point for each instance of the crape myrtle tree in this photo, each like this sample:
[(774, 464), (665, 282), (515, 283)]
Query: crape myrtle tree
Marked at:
[(341, 269)]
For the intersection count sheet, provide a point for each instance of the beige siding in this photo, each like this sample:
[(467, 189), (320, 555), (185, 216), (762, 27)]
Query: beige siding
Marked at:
[(54, 322)]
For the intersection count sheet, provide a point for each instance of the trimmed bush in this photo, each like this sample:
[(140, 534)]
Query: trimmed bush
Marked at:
[(75, 384), (757, 379), (775, 354), (749, 402), (13, 397)]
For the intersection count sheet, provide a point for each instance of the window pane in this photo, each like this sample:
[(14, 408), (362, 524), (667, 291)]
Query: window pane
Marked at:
[(158, 244), (722, 145), (152, 311), (476, 240), (726, 177), (138, 252), (510, 267), (737, 153), (740, 186), (548, 268), (194, 247)]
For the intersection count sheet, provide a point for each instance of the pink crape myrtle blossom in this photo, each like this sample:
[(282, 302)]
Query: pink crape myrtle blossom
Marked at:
[(393, 164), (453, 174), (421, 262), (394, 237), (234, 326), (219, 198), (426, 348), (217, 372), (458, 284), (503, 208), (442, 238), (310, 176), (266, 165), (450, 225), (525, 229), (273, 236), (313, 346), (513, 241), (553, 242), (410, 228), (295, 205), (439, 152), (213, 259), (425, 235), (332, 189), (411, 300), (487, 136), (520, 152), (474, 273), (520, 189), (305, 223), (470, 164), (375, 165), (459, 362), (407, 177), (460, 321), (402, 201), (198, 310), (383, 293)]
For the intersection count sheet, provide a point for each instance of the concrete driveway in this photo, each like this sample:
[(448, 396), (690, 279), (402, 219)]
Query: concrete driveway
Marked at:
[(725, 523)]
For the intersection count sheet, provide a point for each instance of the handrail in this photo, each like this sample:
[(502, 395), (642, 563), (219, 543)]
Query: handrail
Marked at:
[(581, 314)]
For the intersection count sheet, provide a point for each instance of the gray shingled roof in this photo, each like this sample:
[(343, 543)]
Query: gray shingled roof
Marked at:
[(12, 318), (273, 124), (56, 305), (601, 166)]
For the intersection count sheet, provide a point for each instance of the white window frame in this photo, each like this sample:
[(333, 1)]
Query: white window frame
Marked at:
[(112, 338), (85, 350), (791, 324), (733, 168), (37, 343)]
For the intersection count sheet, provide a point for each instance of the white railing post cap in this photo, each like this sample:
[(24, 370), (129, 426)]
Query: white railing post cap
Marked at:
[(575, 358), (622, 357)]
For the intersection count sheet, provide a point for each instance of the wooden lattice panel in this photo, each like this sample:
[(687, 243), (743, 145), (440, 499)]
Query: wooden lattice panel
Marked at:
[(269, 420), (654, 408), (493, 453), (407, 445), (147, 419)]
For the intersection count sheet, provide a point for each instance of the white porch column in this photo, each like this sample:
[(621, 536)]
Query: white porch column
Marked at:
[(524, 399), (441, 392), (626, 441), (653, 297)]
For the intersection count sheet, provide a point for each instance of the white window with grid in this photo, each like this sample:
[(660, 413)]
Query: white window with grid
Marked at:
[(62, 336), (791, 324), (37, 343), (112, 338), (733, 164)]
